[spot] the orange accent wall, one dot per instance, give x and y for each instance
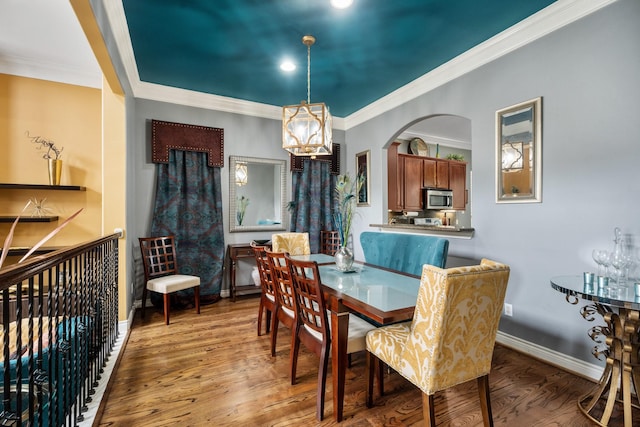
(71, 116)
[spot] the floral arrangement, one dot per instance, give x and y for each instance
(243, 202)
(53, 152)
(346, 198)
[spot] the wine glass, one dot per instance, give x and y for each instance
(619, 261)
(601, 257)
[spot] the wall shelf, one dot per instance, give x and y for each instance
(7, 186)
(6, 218)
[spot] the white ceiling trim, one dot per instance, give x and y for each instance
(555, 16)
(432, 139)
(50, 71)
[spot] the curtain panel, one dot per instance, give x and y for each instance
(188, 204)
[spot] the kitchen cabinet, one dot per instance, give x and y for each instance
(407, 174)
(413, 175)
(395, 179)
(457, 183)
(436, 173)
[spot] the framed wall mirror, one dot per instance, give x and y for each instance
(362, 168)
(257, 190)
(519, 153)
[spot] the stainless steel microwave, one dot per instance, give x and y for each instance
(437, 198)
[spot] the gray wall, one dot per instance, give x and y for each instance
(587, 74)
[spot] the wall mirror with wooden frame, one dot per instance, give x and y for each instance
(257, 192)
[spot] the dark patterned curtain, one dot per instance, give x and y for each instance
(313, 195)
(189, 205)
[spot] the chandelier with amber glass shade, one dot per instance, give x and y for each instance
(306, 127)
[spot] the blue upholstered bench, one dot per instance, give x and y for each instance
(404, 252)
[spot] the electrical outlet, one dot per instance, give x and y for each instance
(508, 310)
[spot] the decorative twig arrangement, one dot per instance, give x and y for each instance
(53, 152)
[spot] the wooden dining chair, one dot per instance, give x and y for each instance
(329, 242)
(451, 337)
(292, 243)
(161, 272)
(285, 309)
(312, 327)
(268, 297)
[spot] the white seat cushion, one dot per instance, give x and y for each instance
(358, 329)
(173, 283)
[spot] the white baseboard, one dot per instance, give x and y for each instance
(92, 407)
(571, 364)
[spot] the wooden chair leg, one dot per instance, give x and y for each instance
(322, 382)
(428, 410)
(167, 304)
(196, 294)
(274, 332)
(293, 355)
(144, 299)
(371, 362)
(485, 400)
(381, 365)
(260, 311)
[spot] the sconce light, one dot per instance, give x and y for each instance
(242, 176)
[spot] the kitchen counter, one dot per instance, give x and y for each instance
(434, 230)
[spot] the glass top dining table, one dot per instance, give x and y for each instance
(383, 295)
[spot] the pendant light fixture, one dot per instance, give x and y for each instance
(306, 128)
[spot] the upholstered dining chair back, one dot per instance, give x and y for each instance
(160, 262)
(268, 297)
(312, 326)
(285, 310)
(452, 335)
(292, 243)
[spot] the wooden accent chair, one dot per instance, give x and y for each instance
(312, 325)
(285, 309)
(293, 243)
(329, 242)
(161, 272)
(451, 337)
(268, 297)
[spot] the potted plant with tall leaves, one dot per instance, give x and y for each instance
(346, 191)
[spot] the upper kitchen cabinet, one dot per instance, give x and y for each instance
(408, 174)
(413, 182)
(436, 173)
(395, 177)
(457, 183)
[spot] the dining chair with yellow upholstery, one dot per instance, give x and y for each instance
(293, 243)
(329, 242)
(268, 298)
(285, 309)
(313, 327)
(451, 337)
(161, 275)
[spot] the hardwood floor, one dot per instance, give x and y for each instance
(213, 370)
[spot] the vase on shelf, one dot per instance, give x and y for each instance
(55, 171)
(344, 258)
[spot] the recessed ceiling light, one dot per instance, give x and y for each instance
(287, 66)
(341, 4)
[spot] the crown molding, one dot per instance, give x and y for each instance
(551, 18)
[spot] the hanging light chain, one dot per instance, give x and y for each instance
(308, 73)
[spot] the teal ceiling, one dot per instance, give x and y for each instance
(233, 48)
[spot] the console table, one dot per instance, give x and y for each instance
(618, 341)
(236, 251)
